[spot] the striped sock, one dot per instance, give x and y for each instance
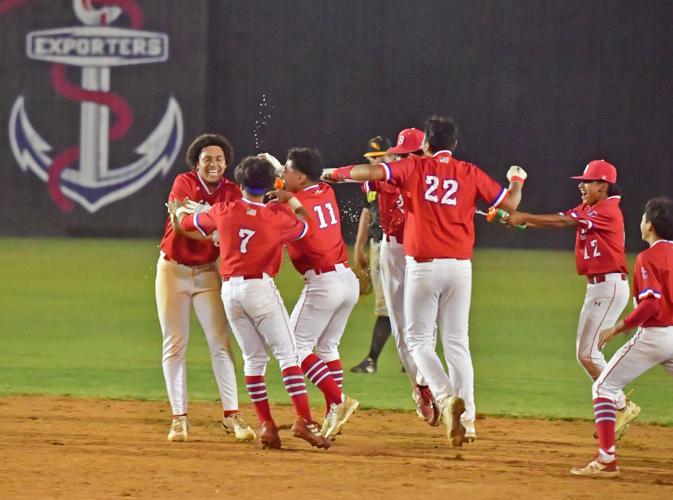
(605, 413)
(337, 371)
(258, 396)
(319, 375)
(295, 386)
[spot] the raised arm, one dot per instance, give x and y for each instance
(357, 173)
(539, 221)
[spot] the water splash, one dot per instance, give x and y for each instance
(262, 122)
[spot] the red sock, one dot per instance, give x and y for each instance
(605, 413)
(337, 371)
(229, 413)
(257, 391)
(293, 378)
(318, 373)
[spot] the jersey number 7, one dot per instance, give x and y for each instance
(245, 234)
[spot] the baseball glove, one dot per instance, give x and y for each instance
(365, 279)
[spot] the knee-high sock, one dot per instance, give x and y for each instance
(319, 374)
(605, 413)
(258, 396)
(293, 378)
(380, 335)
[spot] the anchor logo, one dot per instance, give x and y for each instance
(96, 47)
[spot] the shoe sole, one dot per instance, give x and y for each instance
(177, 439)
(625, 427)
(603, 474)
(332, 435)
(456, 432)
(470, 439)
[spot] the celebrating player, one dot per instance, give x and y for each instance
(653, 342)
(187, 276)
(440, 195)
(251, 236)
(369, 231)
(331, 290)
(600, 256)
(391, 213)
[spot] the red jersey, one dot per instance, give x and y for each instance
(251, 235)
(183, 249)
(440, 196)
(653, 280)
(600, 240)
(391, 208)
(325, 246)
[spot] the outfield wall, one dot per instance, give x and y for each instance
(547, 85)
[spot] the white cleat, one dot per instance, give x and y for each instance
(596, 468)
(625, 417)
(470, 431)
(338, 416)
(452, 408)
(236, 425)
(179, 429)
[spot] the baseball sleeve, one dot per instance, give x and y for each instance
(205, 223)
(290, 228)
(397, 172)
(180, 189)
(646, 291)
(488, 189)
(579, 215)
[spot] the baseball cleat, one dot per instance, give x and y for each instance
(338, 416)
(452, 408)
(235, 425)
(368, 365)
(179, 429)
(268, 436)
(596, 468)
(309, 432)
(625, 417)
(426, 407)
(470, 431)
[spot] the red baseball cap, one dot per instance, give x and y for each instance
(598, 170)
(408, 141)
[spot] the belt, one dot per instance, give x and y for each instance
(257, 276)
(421, 261)
(327, 269)
(600, 278)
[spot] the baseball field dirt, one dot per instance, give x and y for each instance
(55, 447)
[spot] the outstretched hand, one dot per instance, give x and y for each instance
(513, 219)
(606, 335)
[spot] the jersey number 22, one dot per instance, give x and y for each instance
(449, 185)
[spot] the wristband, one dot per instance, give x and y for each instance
(294, 203)
(342, 173)
(516, 178)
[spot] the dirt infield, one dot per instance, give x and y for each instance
(84, 448)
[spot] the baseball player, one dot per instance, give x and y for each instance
(331, 290)
(251, 236)
(369, 230)
(440, 194)
(653, 342)
(600, 256)
(187, 277)
(391, 210)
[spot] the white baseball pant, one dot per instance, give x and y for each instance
(648, 347)
(393, 267)
(603, 304)
(178, 288)
(258, 319)
(439, 292)
(320, 315)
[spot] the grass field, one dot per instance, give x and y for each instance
(78, 318)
